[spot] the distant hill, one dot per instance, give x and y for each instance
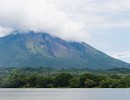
(43, 50)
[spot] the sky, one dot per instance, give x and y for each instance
(104, 24)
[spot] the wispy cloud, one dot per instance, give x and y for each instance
(5, 31)
(125, 55)
(97, 13)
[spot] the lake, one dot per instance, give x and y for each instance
(64, 94)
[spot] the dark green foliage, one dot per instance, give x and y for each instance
(45, 82)
(120, 70)
(115, 76)
(51, 78)
(75, 82)
(32, 80)
(62, 80)
(108, 84)
(14, 80)
(89, 83)
(88, 80)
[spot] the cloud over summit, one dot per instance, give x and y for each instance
(38, 16)
(68, 19)
(97, 22)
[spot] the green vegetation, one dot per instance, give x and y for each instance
(43, 50)
(64, 78)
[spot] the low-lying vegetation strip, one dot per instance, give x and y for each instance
(64, 78)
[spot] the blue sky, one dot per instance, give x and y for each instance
(115, 42)
(104, 24)
(107, 23)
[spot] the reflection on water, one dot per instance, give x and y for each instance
(64, 94)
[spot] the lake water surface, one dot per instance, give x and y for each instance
(64, 94)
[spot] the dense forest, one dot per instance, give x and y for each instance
(64, 78)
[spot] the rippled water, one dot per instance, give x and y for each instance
(64, 94)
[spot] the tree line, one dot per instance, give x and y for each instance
(30, 78)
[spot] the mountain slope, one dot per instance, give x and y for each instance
(43, 50)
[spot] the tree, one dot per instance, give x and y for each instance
(45, 82)
(89, 83)
(85, 77)
(115, 76)
(75, 82)
(15, 80)
(62, 80)
(32, 80)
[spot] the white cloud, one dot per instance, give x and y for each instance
(68, 19)
(124, 55)
(5, 31)
(97, 13)
(39, 16)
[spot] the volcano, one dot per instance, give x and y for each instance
(43, 50)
